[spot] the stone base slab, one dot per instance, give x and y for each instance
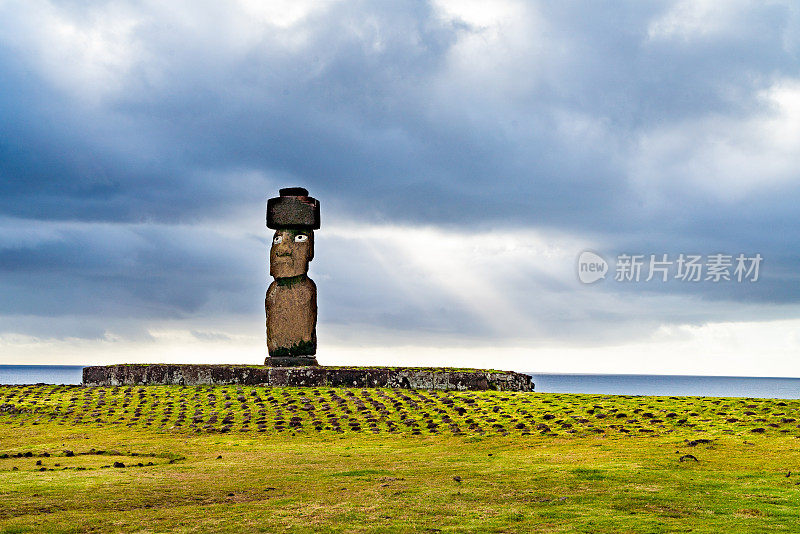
(316, 376)
(290, 361)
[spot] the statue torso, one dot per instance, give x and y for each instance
(291, 317)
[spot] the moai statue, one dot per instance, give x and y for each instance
(291, 301)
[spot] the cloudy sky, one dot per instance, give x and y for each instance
(464, 154)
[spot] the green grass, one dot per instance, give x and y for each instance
(240, 458)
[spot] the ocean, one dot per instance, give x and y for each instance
(669, 385)
(674, 385)
(47, 374)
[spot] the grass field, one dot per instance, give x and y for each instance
(292, 459)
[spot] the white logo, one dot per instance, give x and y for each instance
(591, 267)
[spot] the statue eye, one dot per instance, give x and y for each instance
(299, 238)
(277, 239)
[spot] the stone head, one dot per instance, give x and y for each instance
(291, 251)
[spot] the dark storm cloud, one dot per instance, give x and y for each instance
(112, 271)
(564, 117)
(362, 112)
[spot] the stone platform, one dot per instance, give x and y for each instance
(317, 376)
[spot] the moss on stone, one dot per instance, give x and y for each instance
(302, 348)
(289, 281)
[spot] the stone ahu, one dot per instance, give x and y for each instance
(291, 309)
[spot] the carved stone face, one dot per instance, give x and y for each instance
(290, 253)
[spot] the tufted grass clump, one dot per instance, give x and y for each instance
(344, 411)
